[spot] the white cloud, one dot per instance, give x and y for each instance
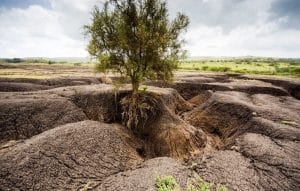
(240, 28)
(38, 31)
(258, 40)
(218, 28)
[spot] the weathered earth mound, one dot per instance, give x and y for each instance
(26, 114)
(70, 157)
(143, 178)
(99, 102)
(240, 131)
(292, 86)
(167, 134)
(21, 87)
(172, 137)
(24, 84)
(260, 134)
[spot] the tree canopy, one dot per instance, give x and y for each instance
(136, 38)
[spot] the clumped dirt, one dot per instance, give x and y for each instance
(66, 134)
(25, 84)
(131, 180)
(23, 115)
(69, 157)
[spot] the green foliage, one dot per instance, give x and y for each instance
(198, 184)
(219, 69)
(166, 183)
(12, 60)
(77, 64)
(222, 188)
(269, 66)
(136, 39)
(204, 68)
(50, 62)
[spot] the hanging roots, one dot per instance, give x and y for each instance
(140, 110)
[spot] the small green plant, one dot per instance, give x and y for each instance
(222, 188)
(50, 62)
(166, 183)
(77, 64)
(204, 68)
(143, 89)
(198, 184)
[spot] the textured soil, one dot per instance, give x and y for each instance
(66, 134)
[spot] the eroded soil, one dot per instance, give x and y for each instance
(66, 134)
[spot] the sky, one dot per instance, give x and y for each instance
(54, 28)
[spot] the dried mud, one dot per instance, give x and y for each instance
(237, 130)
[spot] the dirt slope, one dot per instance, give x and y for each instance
(260, 135)
(240, 131)
(24, 84)
(143, 178)
(23, 115)
(68, 157)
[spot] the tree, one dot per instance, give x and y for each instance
(136, 39)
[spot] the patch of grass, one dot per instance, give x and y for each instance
(77, 64)
(166, 183)
(44, 70)
(219, 69)
(262, 66)
(222, 188)
(198, 184)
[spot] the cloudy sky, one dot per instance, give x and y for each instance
(53, 28)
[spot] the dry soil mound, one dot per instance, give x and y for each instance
(143, 178)
(99, 102)
(263, 133)
(167, 134)
(26, 114)
(229, 114)
(26, 84)
(255, 123)
(21, 87)
(70, 157)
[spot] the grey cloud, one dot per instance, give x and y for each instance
(227, 14)
(218, 27)
(289, 9)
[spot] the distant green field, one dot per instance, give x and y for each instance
(262, 66)
(284, 67)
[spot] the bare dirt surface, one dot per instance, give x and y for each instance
(68, 157)
(66, 134)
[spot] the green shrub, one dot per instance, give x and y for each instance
(282, 69)
(222, 188)
(219, 69)
(204, 68)
(77, 64)
(50, 62)
(166, 183)
(198, 184)
(294, 63)
(295, 70)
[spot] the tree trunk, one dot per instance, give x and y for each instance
(135, 86)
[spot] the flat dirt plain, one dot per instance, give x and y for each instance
(62, 131)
